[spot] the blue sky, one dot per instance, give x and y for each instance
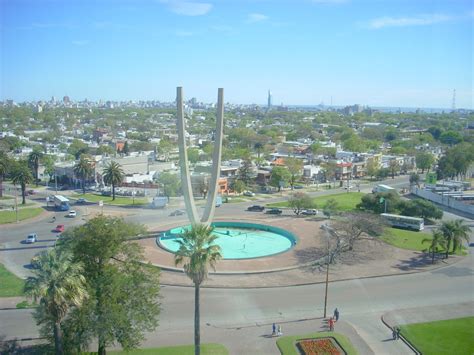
(401, 53)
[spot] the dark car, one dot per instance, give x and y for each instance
(177, 213)
(274, 211)
(256, 208)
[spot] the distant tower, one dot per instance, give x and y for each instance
(269, 101)
(454, 100)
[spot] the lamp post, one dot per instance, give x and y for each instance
(327, 273)
(16, 203)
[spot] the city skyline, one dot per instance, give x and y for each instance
(392, 54)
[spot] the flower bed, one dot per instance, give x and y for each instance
(323, 346)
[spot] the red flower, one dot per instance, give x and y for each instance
(323, 346)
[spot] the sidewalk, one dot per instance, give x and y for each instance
(10, 302)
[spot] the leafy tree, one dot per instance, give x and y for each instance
(245, 172)
(5, 166)
(382, 173)
(415, 179)
(372, 168)
(48, 162)
(171, 183)
(450, 137)
(330, 207)
(193, 155)
(279, 176)
(436, 241)
(295, 167)
(126, 148)
(376, 202)
(123, 291)
(113, 175)
(420, 208)
(77, 148)
(394, 167)
(84, 169)
(435, 132)
(33, 160)
(424, 161)
(197, 252)
(21, 175)
(258, 148)
(239, 186)
(58, 285)
(330, 171)
(300, 201)
(105, 150)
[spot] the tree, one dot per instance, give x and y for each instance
(414, 179)
(113, 175)
(193, 155)
(394, 167)
(197, 252)
(21, 175)
(48, 162)
(258, 148)
(437, 240)
(77, 148)
(126, 148)
(279, 177)
(420, 208)
(58, 285)
(123, 291)
(295, 167)
(299, 201)
(376, 202)
(424, 161)
(83, 169)
(461, 232)
(356, 225)
(171, 183)
(450, 137)
(330, 171)
(33, 161)
(448, 229)
(330, 207)
(239, 186)
(245, 172)
(371, 168)
(5, 166)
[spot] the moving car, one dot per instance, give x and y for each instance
(81, 200)
(274, 211)
(309, 212)
(249, 193)
(256, 208)
(31, 238)
(72, 214)
(177, 213)
(59, 228)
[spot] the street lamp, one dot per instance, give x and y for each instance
(16, 203)
(327, 271)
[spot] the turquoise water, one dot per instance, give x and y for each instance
(240, 243)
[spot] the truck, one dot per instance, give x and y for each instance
(159, 202)
(218, 200)
(383, 188)
(61, 203)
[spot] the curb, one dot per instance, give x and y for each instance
(407, 343)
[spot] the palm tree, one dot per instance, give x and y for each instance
(33, 160)
(196, 252)
(113, 175)
(448, 229)
(5, 165)
(258, 147)
(58, 285)
(461, 232)
(21, 175)
(436, 241)
(83, 169)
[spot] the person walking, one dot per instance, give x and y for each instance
(331, 324)
(336, 314)
(279, 331)
(274, 329)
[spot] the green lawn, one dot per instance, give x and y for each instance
(287, 344)
(346, 201)
(6, 198)
(119, 200)
(23, 213)
(10, 285)
(454, 336)
(206, 349)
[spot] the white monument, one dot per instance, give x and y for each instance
(184, 165)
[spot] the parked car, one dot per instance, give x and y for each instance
(72, 214)
(256, 208)
(274, 211)
(249, 193)
(81, 201)
(31, 238)
(309, 212)
(59, 228)
(298, 187)
(30, 192)
(177, 213)
(348, 187)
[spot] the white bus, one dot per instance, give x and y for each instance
(405, 222)
(383, 188)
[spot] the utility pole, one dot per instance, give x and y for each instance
(16, 203)
(56, 182)
(327, 276)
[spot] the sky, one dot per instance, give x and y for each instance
(398, 53)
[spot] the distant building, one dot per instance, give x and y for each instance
(66, 100)
(269, 100)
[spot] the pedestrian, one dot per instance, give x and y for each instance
(336, 314)
(394, 333)
(279, 330)
(398, 332)
(331, 324)
(273, 329)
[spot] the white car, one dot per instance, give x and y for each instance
(249, 193)
(31, 238)
(72, 214)
(309, 212)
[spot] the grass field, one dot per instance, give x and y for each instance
(454, 336)
(346, 201)
(206, 349)
(287, 344)
(10, 285)
(23, 213)
(119, 200)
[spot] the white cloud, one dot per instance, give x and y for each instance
(421, 20)
(254, 17)
(81, 42)
(188, 8)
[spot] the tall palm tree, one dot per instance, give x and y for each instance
(84, 170)
(448, 229)
(33, 160)
(58, 285)
(5, 165)
(197, 252)
(461, 232)
(436, 241)
(21, 175)
(113, 175)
